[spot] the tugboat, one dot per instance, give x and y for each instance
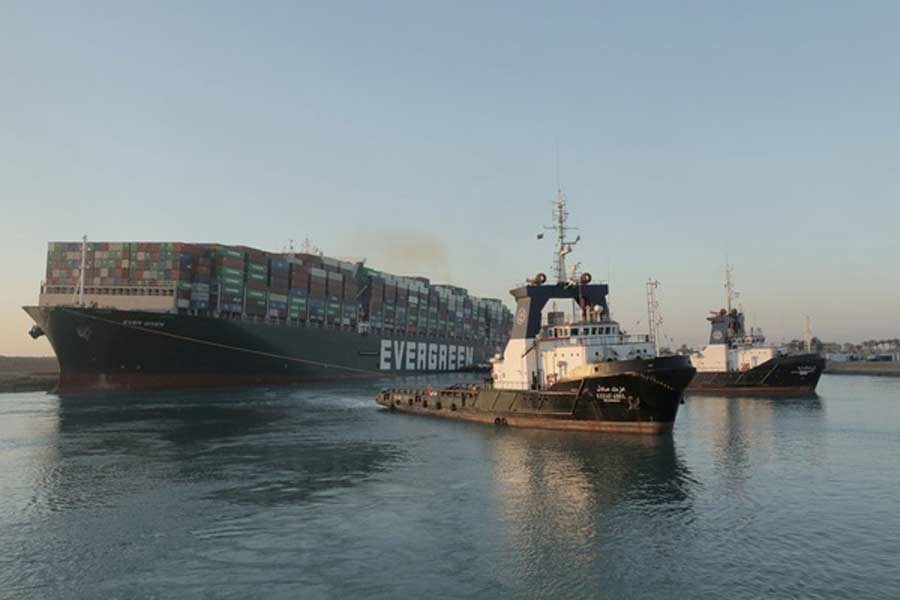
(738, 361)
(580, 373)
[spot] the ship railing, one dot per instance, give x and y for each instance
(142, 289)
(633, 339)
(514, 384)
(464, 392)
(609, 340)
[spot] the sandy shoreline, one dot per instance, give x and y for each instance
(28, 373)
(27, 382)
(859, 367)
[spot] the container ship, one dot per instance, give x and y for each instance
(738, 361)
(155, 315)
(581, 373)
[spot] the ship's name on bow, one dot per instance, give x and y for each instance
(804, 370)
(615, 393)
(144, 323)
(406, 355)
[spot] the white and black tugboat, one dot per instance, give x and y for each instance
(740, 361)
(578, 373)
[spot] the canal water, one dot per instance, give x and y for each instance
(314, 492)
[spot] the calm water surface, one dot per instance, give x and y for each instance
(315, 493)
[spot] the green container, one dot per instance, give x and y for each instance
(256, 294)
(256, 276)
(233, 281)
(230, 272)
(230, 253)
(257, 268)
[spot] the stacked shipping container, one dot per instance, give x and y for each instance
(228, 279)
(236, 280)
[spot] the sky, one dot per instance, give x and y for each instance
(424, 137)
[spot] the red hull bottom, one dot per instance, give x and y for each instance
(642, 427)
(86, 383)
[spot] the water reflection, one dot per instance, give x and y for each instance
(259, 446)
(563, 490)
(748, 431)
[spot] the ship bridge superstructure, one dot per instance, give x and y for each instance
(732, 346)
(540, 353)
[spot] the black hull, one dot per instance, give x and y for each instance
(794, 374)
(635, 396)
(113, 350)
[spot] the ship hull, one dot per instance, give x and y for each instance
(635, 396)
(794, 374)
(115, 350)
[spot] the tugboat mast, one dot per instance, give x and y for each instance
(653, 318)
(563, 246)
(729, 287)
(807, 335)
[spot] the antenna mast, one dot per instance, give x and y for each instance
(563, 246)
(807, 334)
(81, 270)
(729, 287)
(308, 248)
(654, 319)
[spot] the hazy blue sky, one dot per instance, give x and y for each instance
(421, 136)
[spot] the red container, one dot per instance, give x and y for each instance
(334, 287)
(254, 255)
(227, 261)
